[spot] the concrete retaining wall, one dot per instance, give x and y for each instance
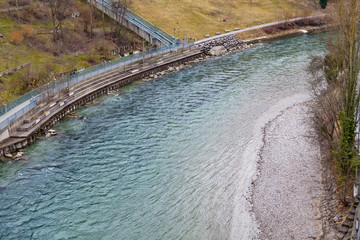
(71, 106)
(17, 115)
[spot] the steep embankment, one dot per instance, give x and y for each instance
(27, 36)
(198, 18)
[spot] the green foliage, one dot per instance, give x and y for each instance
(345, 154)
(323, 3)
(336, 112)
(332, 67)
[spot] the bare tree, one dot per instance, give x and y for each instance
(91, 18)
(103, 17)
(60, 10)
(17, 9)
(338, 96)
(120, 7)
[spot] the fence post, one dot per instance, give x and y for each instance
(5, 108)
(47, 90)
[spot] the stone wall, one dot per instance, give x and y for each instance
(229, 42)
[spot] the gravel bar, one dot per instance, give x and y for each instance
(288, 191)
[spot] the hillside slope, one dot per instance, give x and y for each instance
(201, 17)
(26, 37)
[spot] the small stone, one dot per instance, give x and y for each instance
(8, 155)
(53, 132)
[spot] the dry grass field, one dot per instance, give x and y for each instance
(197, 18)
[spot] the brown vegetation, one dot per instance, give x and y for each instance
(31, 36)
(337, 95)
(16, 37)
(285, 28)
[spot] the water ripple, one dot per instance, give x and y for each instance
(165, 160)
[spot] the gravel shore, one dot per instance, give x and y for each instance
(288, 192)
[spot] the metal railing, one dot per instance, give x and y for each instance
(142, 23)
(53, 87)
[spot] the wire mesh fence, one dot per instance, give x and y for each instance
(43, 92)
(53, 87)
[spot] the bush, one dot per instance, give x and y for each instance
(27, 32)
(306, 12)
(73, 42)
(323, 3)
(103, 47)
(285, 26)
(16, 37)
(270, 30)
(92, 59)
(30, 77)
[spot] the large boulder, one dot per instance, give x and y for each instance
(217, 51)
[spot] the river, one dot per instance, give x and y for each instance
(173, 158)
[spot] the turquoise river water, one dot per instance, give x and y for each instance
(172, 158)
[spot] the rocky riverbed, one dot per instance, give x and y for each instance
(288, 196)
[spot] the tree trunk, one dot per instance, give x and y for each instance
(17, 9)
(53, 19)
(91, 18)
(103, 18)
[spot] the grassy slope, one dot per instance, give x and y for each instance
(13, 55)
(201, 17)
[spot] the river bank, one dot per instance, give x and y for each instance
(166, 159)
(290, 195)
(229, 43)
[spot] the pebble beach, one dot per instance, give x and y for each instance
(288, 191)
